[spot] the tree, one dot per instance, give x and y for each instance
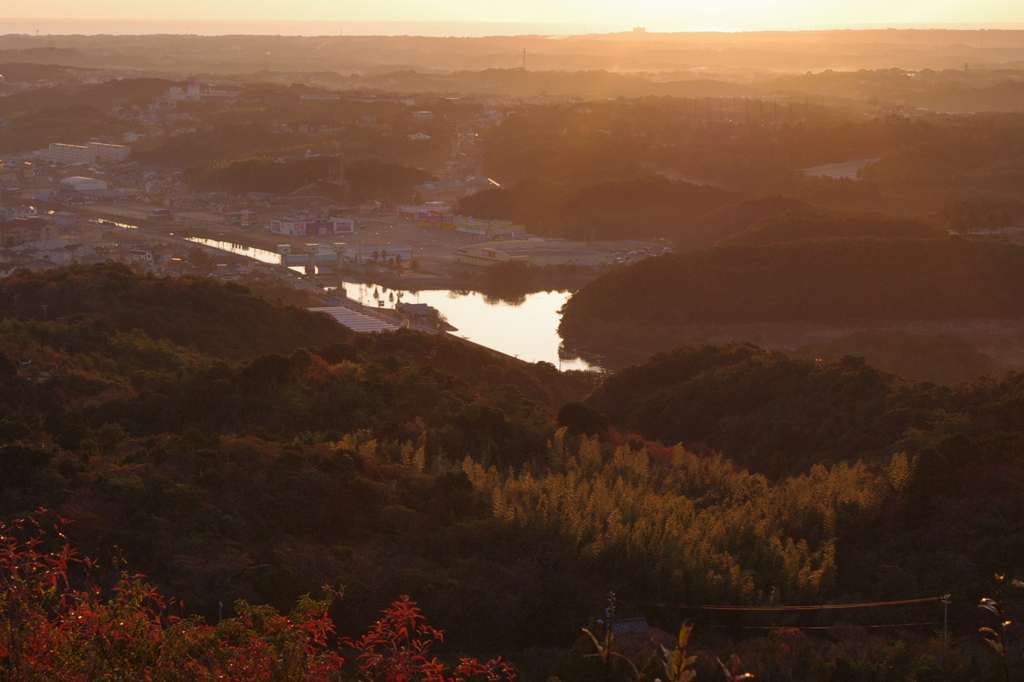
(199, 258)
(51, 629)
(397, 649)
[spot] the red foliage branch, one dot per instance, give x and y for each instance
(397, 646)
(50, 630)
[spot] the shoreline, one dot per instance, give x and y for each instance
(466, 280)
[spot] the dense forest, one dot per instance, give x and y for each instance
(936, 358)
(616, 209)
(892, 162)
(363, 178)
(780, 416)
(828, 281)
(258, 452)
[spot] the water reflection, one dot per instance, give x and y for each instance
(527, 330)
(526, 326)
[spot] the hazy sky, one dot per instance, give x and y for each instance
(655, 14)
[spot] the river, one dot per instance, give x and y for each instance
(528, 330)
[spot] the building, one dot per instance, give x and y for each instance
(377, 252)
(79, 183)
(488, 228)
(94, 152)
(17, 172)
(307, 228)
(423, 115)
(65, 219)
(536, 253)
(320, 97)
(71, 153)
(435, 218)
(292, 227)
(482, 226)
(22, 230)
(17, 211)
(491, 228)
(141, 256)
(110, 153)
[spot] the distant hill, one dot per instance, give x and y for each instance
(939, 358)
(821, 281)
(620, 209)
(795, 225)
(365, 178)
(778, 416)
(222, 320)
(734, 219)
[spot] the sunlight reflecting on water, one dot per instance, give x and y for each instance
(527, 330)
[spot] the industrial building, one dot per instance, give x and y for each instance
(78, 183)
(488, 228)
(377, 252)
(536, 253)
(300, 227)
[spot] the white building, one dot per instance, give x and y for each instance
(82, 184)
(192, 90)
(89, 153)
(141, 256)
(320, 97)
(110, 153)
(71, 153)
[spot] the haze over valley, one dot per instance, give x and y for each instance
(613, 353)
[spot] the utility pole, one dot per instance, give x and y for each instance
(609, 615)
(524, 59)
(946, 599)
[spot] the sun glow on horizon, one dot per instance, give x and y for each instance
(656, 15)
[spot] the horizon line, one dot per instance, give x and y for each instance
(53, 27)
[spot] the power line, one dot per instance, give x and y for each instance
(811, 627)
(820, 607)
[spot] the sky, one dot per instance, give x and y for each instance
(602, 14)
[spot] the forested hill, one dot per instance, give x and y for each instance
(405, 463)
(805, 281)
(780, 416)
(222, 320)
(232, 448)
(91, 311)
(795, 225)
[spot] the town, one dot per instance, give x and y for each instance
(107, 200)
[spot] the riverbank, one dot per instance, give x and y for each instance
(454, 276)
(520, 324)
